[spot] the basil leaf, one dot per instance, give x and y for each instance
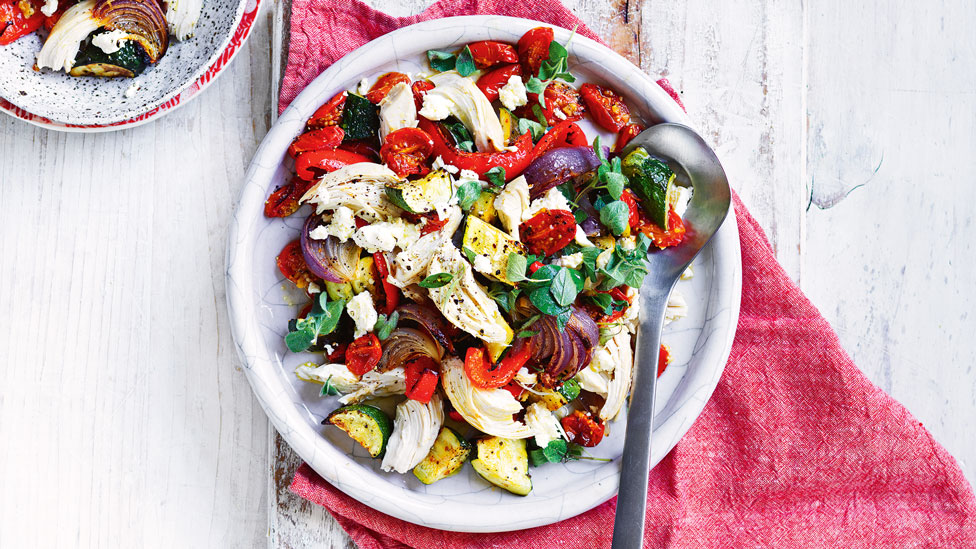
(589, 261)
(614, 216)
(329, 318)
(537, 129)
(299, 341)
(328, 389)
(526, 333)
(515, 270)
(555, 451)
(543, 300)
(564, 288)
(384, 326)
(469, 253)
(603, 301)
(539, 115)
(536, 86)
(436, 280)
(496, 176)
(570, 389)
(563, 318)
(538, 457)
(557, 51)
(468, 193)
(462, 137)
(441, 61)
(599, 150)
(615, 183)
(465, 62)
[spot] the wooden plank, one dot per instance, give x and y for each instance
(890, 236)
(124, 417)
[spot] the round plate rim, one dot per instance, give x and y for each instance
(340, 469)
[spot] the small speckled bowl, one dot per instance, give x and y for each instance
(260, 309)
(56, 100)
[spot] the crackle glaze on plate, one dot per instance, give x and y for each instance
(58, 101)
(260, 307)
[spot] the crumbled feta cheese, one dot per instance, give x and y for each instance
(314, 288)
(363, 87)
(627, 242)
(436, 107)
(397, 110)
(362, 312)
(482, 264)
(49, 7)
(559, 114)
(386, 235)
(592, 380)
(111, 41)
(544, 425)
(552, 200)
(572, 261)
(469, 175)
(439, 164)
(681, 202)
(602, 359)
(677, 308)
(343, 226)
(512, 94)
(631, 315)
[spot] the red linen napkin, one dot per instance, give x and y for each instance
(795, 448)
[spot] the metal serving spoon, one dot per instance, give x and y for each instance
(693, 161)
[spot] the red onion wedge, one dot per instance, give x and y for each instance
(408, 344)
(330, 259)
(558, 166)
(564, 354)
(429, 319)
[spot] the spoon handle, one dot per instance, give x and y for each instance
(628, 524)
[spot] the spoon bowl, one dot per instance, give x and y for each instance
(695, 164)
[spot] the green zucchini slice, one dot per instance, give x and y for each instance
(129, 61)
(360, 118)
(653, 181)
(421, 195)
(367, 425)
(445, 458)
(504, 463)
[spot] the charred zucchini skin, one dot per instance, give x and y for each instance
(129, 61)
(367, 425)
(504, 463)
(360, 118)
(445, 458)
(653, 181)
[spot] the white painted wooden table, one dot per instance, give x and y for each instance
(125, 420)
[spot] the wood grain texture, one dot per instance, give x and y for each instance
(124, 418)
(847, 130)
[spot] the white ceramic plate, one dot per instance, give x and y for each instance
(58, 101)
(259, 310)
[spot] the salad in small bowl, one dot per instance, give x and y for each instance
(471, 258)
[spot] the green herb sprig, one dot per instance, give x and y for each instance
(320, 321)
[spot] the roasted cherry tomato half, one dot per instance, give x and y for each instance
(291, 263)
(329, 114)
(661, 238)
(421, 379)
(548, 231)
(533, 49)
(583, 429)
(14, 24)
(562, 103)
(485, 375)
(626, 133)
(420, 89)
(384, 84)
(284, 200)
(363, 354)
(618, 294)
(405, 151)
(563, 134)
(391, 294)
(329, 137)
(663, 360)
(605, 106)
(630, 199)
(493, 80)
(338, 354)
(489, 53)
(313, 164)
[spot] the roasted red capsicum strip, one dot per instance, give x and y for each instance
(421, 379)
(485, 375)
(493, 81)
(514, 162)
(312, 164)
(329, 137)
(391, 294)
(489, 53)
(563, 134)
(14, 25)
